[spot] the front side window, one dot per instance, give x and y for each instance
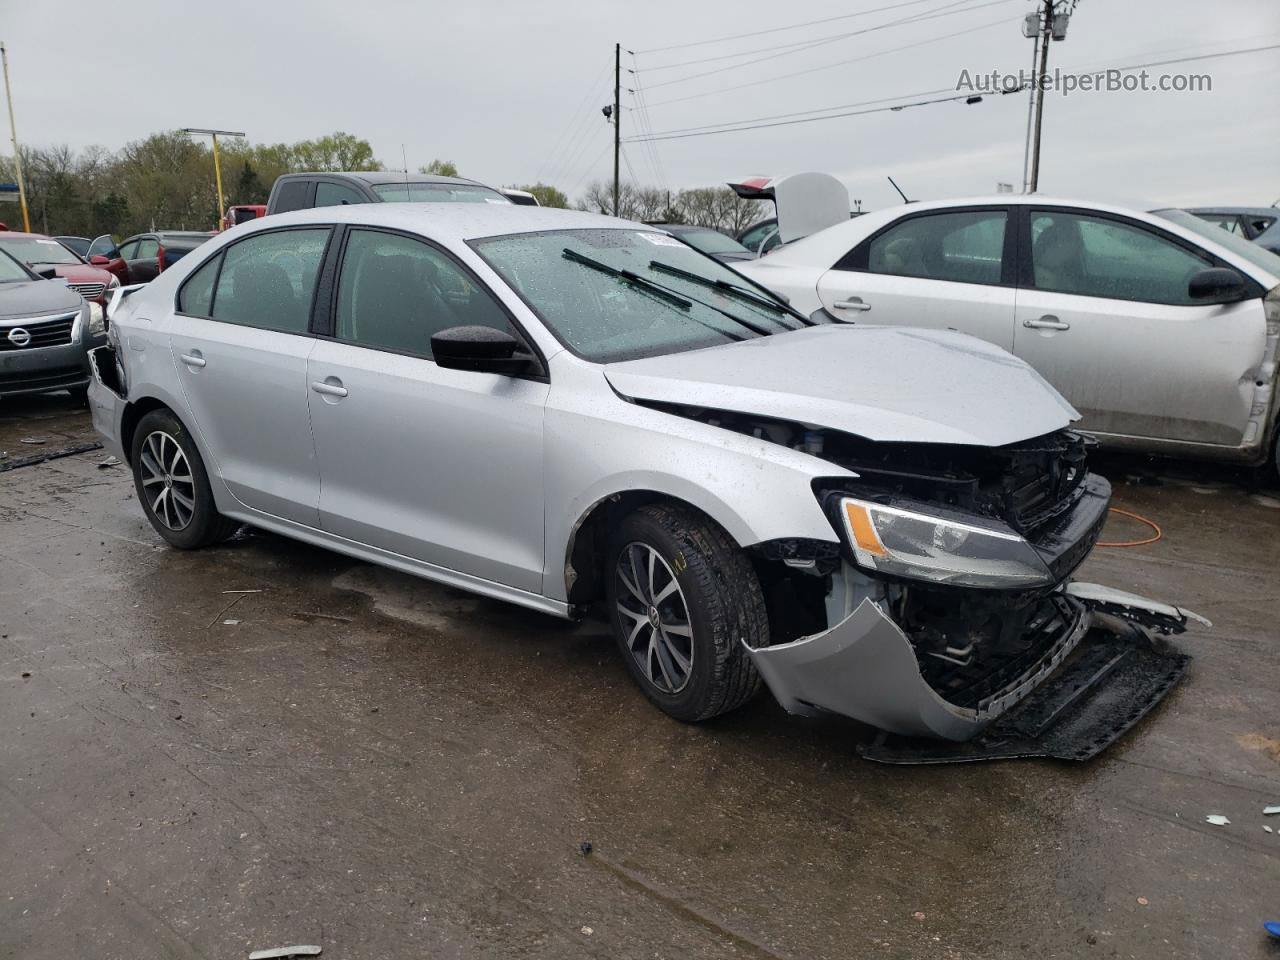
(437, 193)
(38, 250)
(103, 246)
(965, 247)
(267, 280)
(196, 296)
(670, 298)
(396, 292)
(1097, 257)
(335, 194)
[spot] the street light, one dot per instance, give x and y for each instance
(217, 165)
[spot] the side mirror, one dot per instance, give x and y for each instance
(1216, 285)
(479, 349)
(98, 260)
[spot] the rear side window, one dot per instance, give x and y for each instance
(1097, 257)
(964, 247)
(292, 196)
(395, 292)
(268, 280)
(335, 194)
(147, 250)
(196, 296)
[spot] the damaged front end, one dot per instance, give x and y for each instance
(949, 614)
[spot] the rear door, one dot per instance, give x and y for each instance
(950, 269)
(240, 343)
(444, 466)
(1104, 315)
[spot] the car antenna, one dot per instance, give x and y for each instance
(899, 189)
(405, 160)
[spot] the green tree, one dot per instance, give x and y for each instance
(337, 151)
(547, 195)
(440, 168)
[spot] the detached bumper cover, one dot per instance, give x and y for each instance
(866, 668)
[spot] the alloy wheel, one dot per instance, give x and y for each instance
(167, 483)
(655, 617)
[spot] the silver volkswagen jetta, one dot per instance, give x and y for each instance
(558, 409)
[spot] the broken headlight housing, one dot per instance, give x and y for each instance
(922, 542)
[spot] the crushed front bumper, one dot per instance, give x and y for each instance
(1099, 642)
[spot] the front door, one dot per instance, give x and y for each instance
(240, 343)
(1104, 315)
(443, 466)
(945, 270)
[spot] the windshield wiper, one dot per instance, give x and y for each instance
(729, 289)
(656, 290)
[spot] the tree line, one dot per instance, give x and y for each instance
(166, 182)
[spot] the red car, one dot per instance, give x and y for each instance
(48, 257)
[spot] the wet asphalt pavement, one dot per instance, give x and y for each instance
(387, 768)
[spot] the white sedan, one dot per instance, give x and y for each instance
(1160, 328)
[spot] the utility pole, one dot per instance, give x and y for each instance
(217, 164)
(617, 119)
(1053, 26)
(13, 135)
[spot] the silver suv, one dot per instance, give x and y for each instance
(559, 409)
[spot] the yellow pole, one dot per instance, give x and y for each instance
(13, 135)
(217, 175)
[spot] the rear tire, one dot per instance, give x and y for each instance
(173, 486)
(685, 649)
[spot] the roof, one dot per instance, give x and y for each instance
(10, 234)
(450, 221)
(384, 176)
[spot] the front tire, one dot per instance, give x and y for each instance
(173, 486)
(682, 598)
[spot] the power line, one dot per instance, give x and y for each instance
(834, 116)
(944, 11)
(793, 26)
(1167, 63)
(839, 63)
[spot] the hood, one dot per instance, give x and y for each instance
(881, 383)
(36, 298)
(81, 273)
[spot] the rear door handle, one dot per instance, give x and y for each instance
(330, 388)
(1047, 322)
(853, 303)
(193, 359)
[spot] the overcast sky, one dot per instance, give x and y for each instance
(511, 91)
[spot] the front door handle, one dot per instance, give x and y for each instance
(330, 388)
(193, 359)
(1047, 322)
(853, 303)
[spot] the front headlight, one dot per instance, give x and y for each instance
(97, 325)
(924, 546)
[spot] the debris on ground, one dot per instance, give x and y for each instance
(109, 462)
(1266, 828)
(1217, 819)
(918, 915)
(587, 931)
(17, 462)
(230, 623)
(299, 951)
(1272, 928)
(1271, 810)
(585, 847)
(242, 591)
(1143, 901)
(33, 440)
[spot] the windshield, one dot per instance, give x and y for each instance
(437, 193)
(38, 250)
(10, 269)
(711, 241)
(621, 294)
(1258, 256)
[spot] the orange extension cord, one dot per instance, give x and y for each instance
(1133, 543)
